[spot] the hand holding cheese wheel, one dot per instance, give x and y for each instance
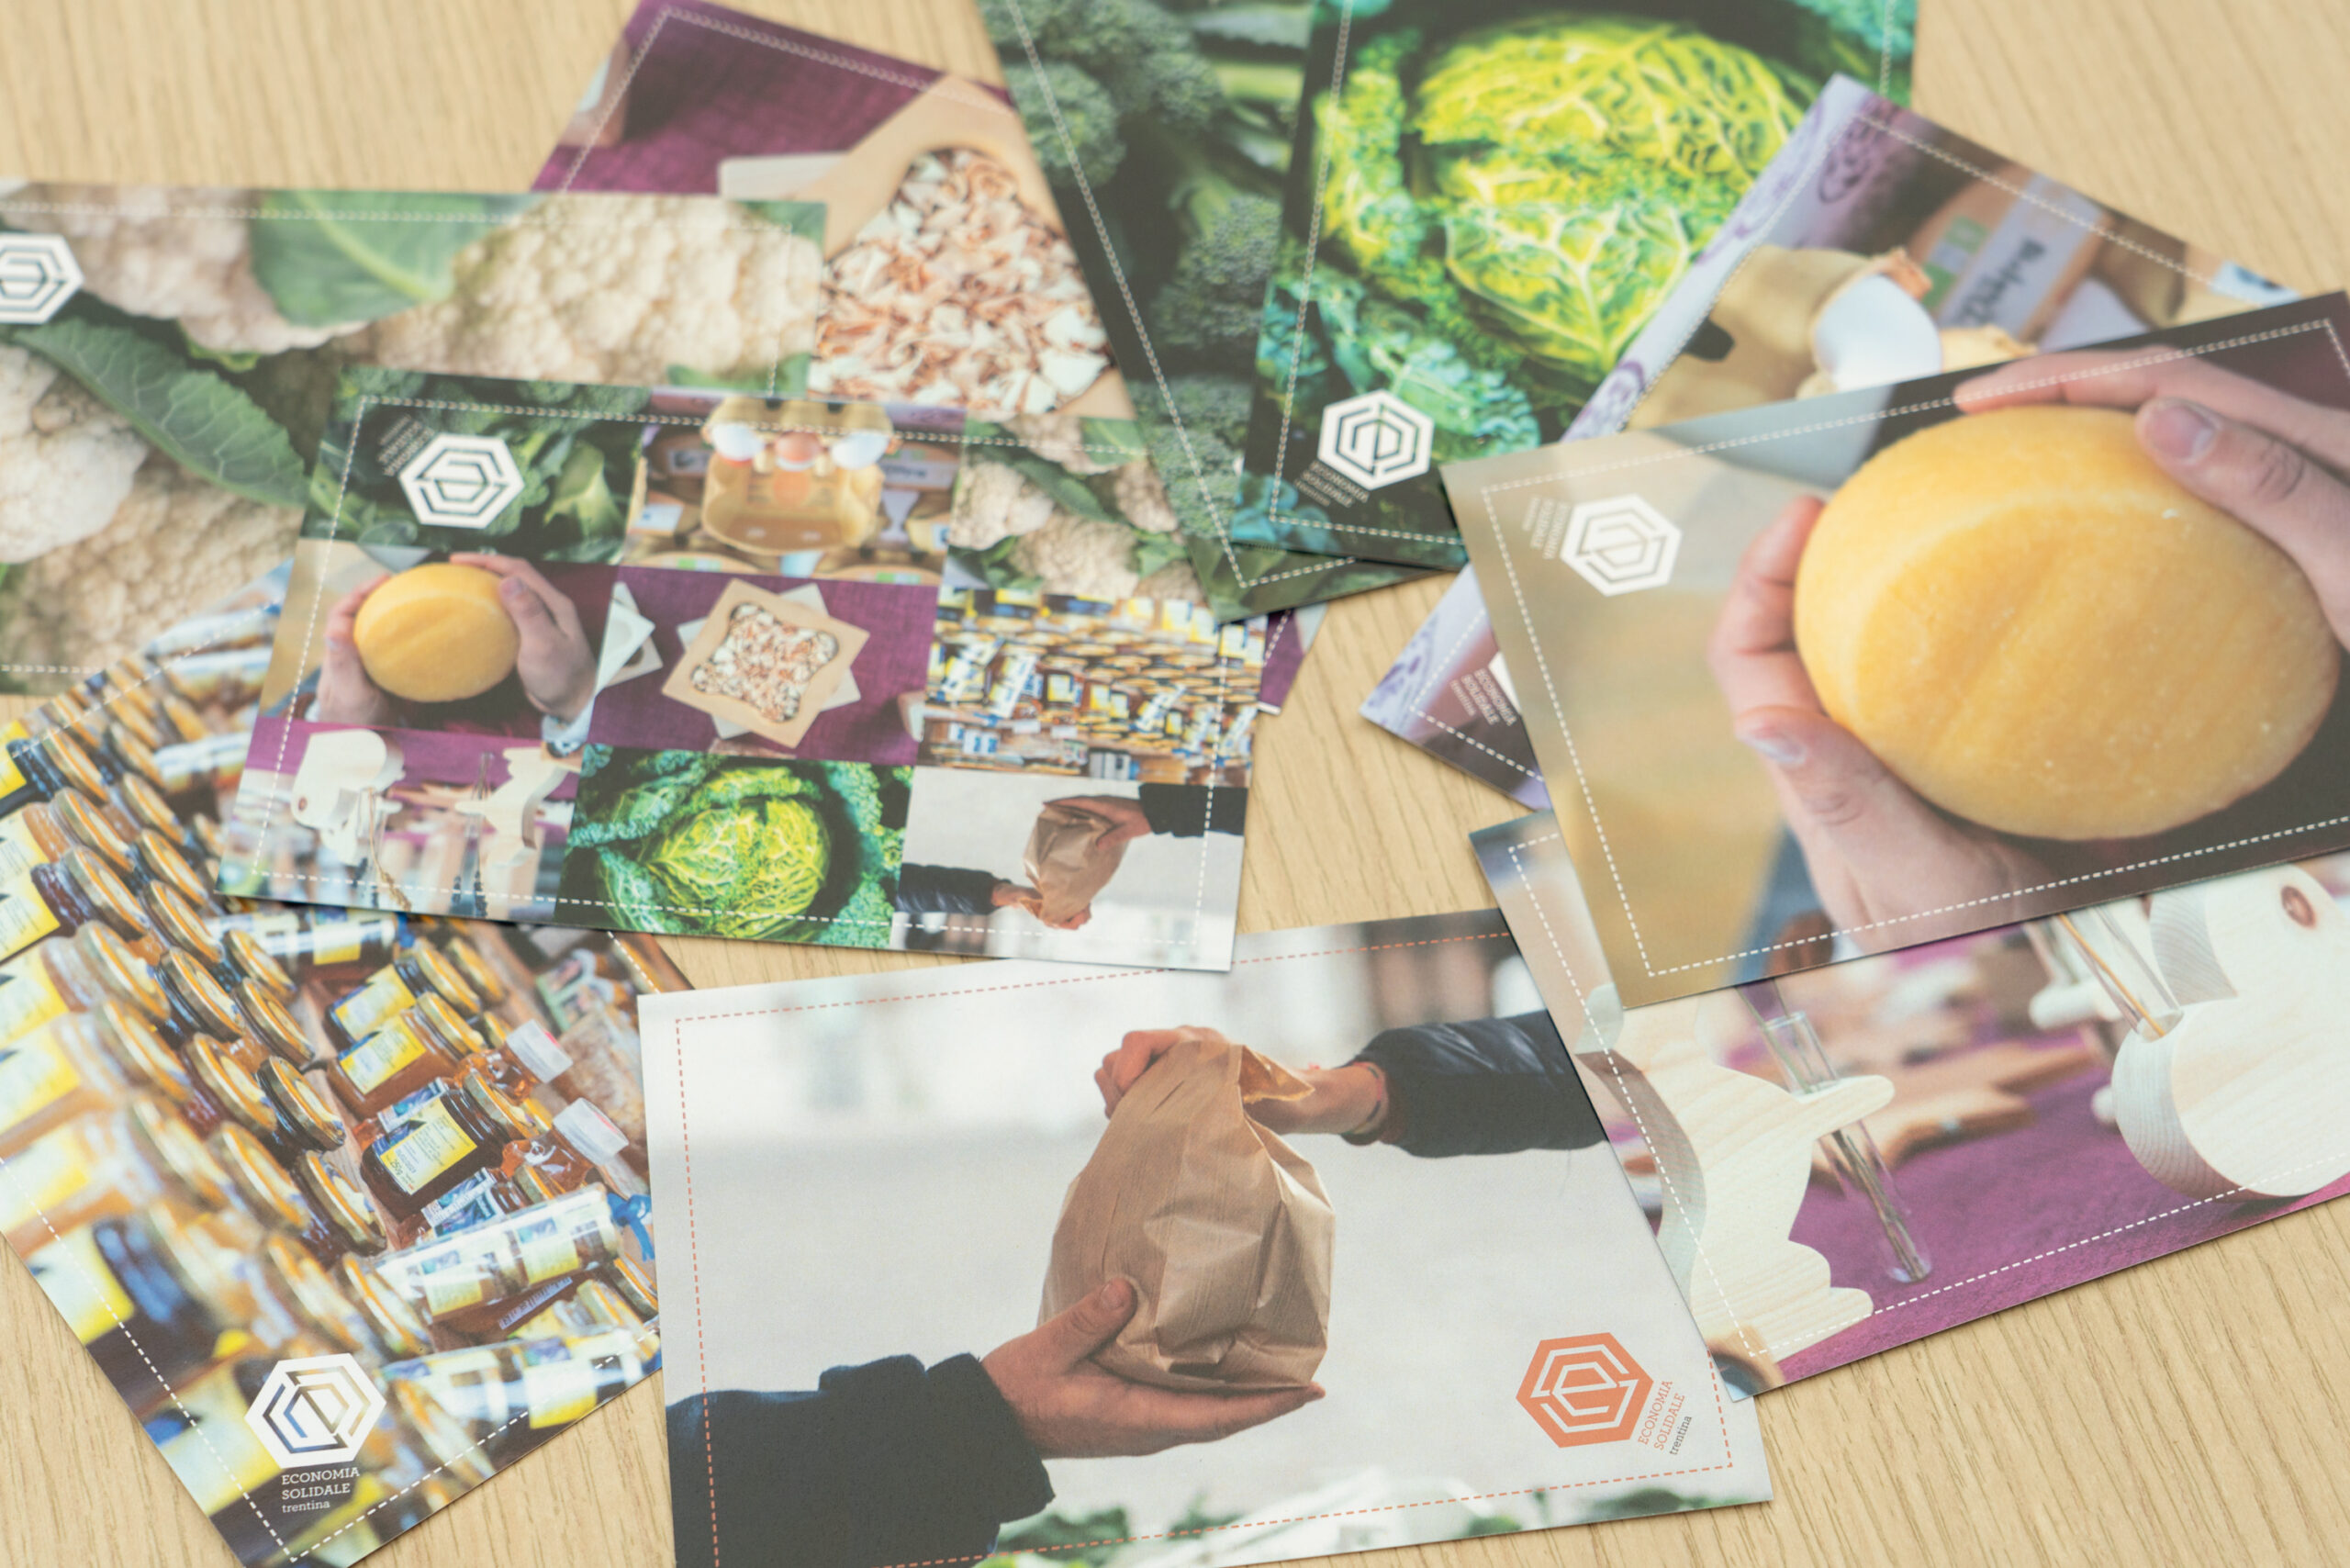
(436, 633)
(2039, 630)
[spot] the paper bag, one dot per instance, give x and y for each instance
(1067, 862)
(1223, 1228)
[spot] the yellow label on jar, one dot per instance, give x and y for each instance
(432, 1144)
(25, 917)
(350, 938)
(20, 849)
(372, 1062)
(12, 778)
(33, 1077)
(545, 1256)
(557, 1391)
(39, 1182)
(80, 1285)
(28, 997)
(450, 1292)
(367, 1009)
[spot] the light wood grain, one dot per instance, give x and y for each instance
(2188, 1409)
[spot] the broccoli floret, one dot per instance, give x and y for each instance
(1077, 122)
(1145, 56)
(1218, 404)
(1199, 466)
(1207, 314)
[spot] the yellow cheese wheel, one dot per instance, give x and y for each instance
(2040, 631)
(436, 633)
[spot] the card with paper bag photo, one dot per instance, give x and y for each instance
(1135, 1267)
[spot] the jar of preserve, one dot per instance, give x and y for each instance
(210, 839)
(305, 1120)
(303, 940)
(226, 1093)
(196, 1006)
(142, 1292)
(501, 1401)
(72, 974)
(255, 967)
(142, 806)
(270, 1025)
(266, 1189)
(212, 765)
(140, 1055)
(300, 1278)
(399, 1059)
(84, 822)
(160, 860)
(181, 720)
(45, 768)
(476, 1199)
(581, 1146)
(475, 967)
(525, 1059)
(348, 1224)
(34, 836)
(51, 1076)
(178, 922)
(398, 1332)
(420, 972)
(493, 1275)
(456, 1135)
(608, 1070)
(65, 896)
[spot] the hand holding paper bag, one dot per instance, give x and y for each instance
(1072, 853)
(1223, 1228)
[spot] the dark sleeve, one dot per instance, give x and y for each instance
(945, 889)
(883, 1465)
(1187, 811)
(1488, 1086)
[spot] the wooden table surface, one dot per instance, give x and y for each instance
(2179, 1412)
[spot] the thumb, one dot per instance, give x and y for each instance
(1076, 1332)
(527, 609)
(1838, 791)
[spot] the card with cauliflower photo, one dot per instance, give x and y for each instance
(1487, 202)
(168, 358)
(1889, 666)
(702, 661)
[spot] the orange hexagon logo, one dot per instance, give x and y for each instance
(1585, 1390)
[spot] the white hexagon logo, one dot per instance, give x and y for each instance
(1377, 439)
(315, 1410)
(38, 275)
(461, 481)
(1620, 545)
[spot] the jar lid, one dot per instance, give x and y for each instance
(173, 1147)
(269, 1021)
(395, 1324)
(73, 762)
(125, 681)
(133, 724)
(108, 899)
(181, 715)
(176, 919)
(315, 1292)
(539, 1051)
(488, 1098)
(442, 1020)
(343, 1203)
(634, 1280)
(299, 1104)
(146, 805)
(475, 968)
(208, 834)
(141, 1052)
(260, 1181)
(444, 976)
(138, 757)
(122, 973)
(162, 860)
(585, 1127)
(253, 961)
(229, 1081)
(85, 823)
(188, 983)
(532, 1182)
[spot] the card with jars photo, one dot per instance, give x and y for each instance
(350, 1207)
(710, 663)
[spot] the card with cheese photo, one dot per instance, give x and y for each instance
(1882, 666)
(707, 668)
(1330, 1247)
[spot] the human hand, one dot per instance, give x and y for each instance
(1069, 1407)
(2273, 462)
(1007, 895)
(1350, 1099)
(557, 663)
(1126, 816)
(1877, 853)
(345, 694)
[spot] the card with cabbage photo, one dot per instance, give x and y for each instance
(168, 356)
(1332, 1247)
(704, 663)
(1883, 666)
(1487, 202)
(350, 1209)
(1876, 246)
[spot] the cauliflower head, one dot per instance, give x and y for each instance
(1080, 556)
(1058, 439)
(994, 503)
(1175, 580)
(83, 607)
(66, 459)
(568, 294)
(1142, 499)
(184, 255)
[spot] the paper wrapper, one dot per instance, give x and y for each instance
(1067, 862)
(1223, 1228)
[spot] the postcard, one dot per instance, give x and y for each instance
(169, 356)
(1882, 667)
(350, 1208)
(1934, 253)
(1487, 203)
(694, 662)
(1847, 1158)
(1315, 1257)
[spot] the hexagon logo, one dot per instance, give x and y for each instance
(1585, 1390)
(315, 1410)
(1621, 544)
(1377, 439)
(461, 481)
(38, 275)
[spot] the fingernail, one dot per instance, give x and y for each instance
(1116, 1293)
(1774, 746)
(2178, 430)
